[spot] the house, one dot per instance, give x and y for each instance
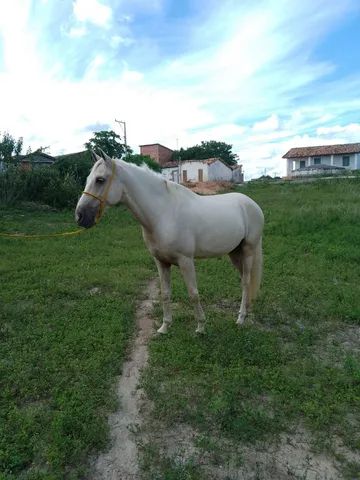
(31, 160)
(210, 169)
(322, 159)
(35, 160)
(171, 171)
(238, 174)
(157, 152)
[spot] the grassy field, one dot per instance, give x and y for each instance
(295, 365)
(67, 316)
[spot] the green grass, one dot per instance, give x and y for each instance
(297, 362)
(66, 318)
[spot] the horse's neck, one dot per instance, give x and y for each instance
(144, 194)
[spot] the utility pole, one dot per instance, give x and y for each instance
(124, 127)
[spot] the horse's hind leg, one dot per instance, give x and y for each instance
(187, 269)
(242, 258)
(164, 270)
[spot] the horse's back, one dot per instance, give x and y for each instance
(235, 204)
(221, 222)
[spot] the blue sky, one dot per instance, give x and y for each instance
(264, 76)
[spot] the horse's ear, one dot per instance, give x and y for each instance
(94, 157)
(105, 156)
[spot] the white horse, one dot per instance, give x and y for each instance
(178, 225)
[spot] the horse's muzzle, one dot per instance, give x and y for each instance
(86, 217)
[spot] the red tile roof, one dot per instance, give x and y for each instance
(323, 150)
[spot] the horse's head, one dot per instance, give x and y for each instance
(102, 188)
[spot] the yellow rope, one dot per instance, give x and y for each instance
(46, 235)
(102, 201)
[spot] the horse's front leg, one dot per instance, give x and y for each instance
(187, 269)
(164, 270)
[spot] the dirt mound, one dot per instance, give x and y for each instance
(209, 188)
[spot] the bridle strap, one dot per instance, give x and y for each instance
(94, 196)
(103, 199)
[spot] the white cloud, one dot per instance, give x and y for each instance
(19, 45)
(271, 123)
(94, 67)
(117, 40)
(347, 130)
(92, 11)
(239, 85)
(77, 32)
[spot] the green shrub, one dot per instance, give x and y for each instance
(141, 159)
(77, 165)
(44, 185)
(11, 185)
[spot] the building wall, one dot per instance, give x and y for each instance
(237, 175)
(338, 161)
(157, 152)
(328, 160)
(171, 173)
(219, 171)
(192, 170)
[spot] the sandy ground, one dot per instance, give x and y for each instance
(209, 188)
(121, 461)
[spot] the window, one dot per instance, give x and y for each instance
(200, 175)
(302, 163)
(346, 161)
(317, 160)
(184, 175)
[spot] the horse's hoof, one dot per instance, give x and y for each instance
(200, 330)
(240, 322)
(162, 329)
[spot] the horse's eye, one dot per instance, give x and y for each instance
(100, 180)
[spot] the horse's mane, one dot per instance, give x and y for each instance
(168, 184)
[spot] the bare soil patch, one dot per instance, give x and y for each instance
(209, 188)
(290, 457)
(121, 461)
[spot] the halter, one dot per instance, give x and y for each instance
(103, 199)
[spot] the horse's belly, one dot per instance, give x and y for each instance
(218, 241)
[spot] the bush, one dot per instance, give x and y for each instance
(59, 185)
(141, 159)
(45, 185)
(76, 164)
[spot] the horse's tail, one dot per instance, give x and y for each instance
(256, 271)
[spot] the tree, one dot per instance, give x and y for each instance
(109, 142)
(75, 164)
(140, 159)
(9, 147)
(41, 150)
(208, 149)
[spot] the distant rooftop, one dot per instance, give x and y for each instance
(153, 145)
(345, 148)
(35, 154)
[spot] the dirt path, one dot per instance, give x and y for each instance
(121, 461)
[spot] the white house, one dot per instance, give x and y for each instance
(209, 170)
(171, 171)
(322, 159)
